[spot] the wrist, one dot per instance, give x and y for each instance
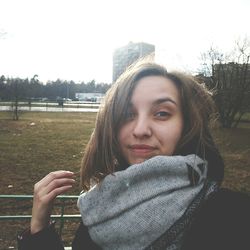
(36, 227)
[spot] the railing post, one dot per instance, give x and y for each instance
(62, 218)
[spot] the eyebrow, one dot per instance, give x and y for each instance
(165, 99)
(158, 102)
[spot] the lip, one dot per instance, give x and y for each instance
(141, 148)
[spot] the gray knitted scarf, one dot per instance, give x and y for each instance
(132, 208)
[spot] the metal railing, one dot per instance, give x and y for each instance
(62, 216)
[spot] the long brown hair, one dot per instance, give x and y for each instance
(102, 154)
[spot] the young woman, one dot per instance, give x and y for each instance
(151, 174)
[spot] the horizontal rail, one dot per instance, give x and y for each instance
(62, 216)
(28, 197)
(26, 217)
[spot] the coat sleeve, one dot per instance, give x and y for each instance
(83, 241)
(47, 239)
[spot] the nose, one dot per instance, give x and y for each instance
(142, 128)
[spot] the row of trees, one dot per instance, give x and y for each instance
(28, 89)
(227, 74)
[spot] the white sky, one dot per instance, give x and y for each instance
(75, 39)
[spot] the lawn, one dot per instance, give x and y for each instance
(41, 142)
(32, 147)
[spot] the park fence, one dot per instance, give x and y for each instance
(61, 216)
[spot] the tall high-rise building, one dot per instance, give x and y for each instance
(125, 56)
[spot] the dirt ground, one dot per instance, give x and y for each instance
(43, 142)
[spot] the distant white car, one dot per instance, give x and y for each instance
(67, 99)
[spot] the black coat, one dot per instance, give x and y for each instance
(222, 223)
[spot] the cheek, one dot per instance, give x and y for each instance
(178, 131)
(177, 134)
(172, 135)
(122, 135)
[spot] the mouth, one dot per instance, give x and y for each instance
(141, 149)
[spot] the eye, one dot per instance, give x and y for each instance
(162, 114)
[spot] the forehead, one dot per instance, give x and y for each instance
(155, 87)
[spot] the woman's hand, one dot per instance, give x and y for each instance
(45, 192)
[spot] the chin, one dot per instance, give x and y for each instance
(138, 161)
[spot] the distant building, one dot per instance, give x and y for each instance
(125, 56)
(227, 74)
(231, 70)
(89, 97)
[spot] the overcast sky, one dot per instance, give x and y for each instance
(75, 39)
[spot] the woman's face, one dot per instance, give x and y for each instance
(154, 121)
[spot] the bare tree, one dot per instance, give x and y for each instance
(15, 101)
(229, 76)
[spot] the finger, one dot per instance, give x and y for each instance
(58, 191)
(50, 177)
(53, 175)
(57, 183)
(46, 201)
(42, 194)
(41, 191)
